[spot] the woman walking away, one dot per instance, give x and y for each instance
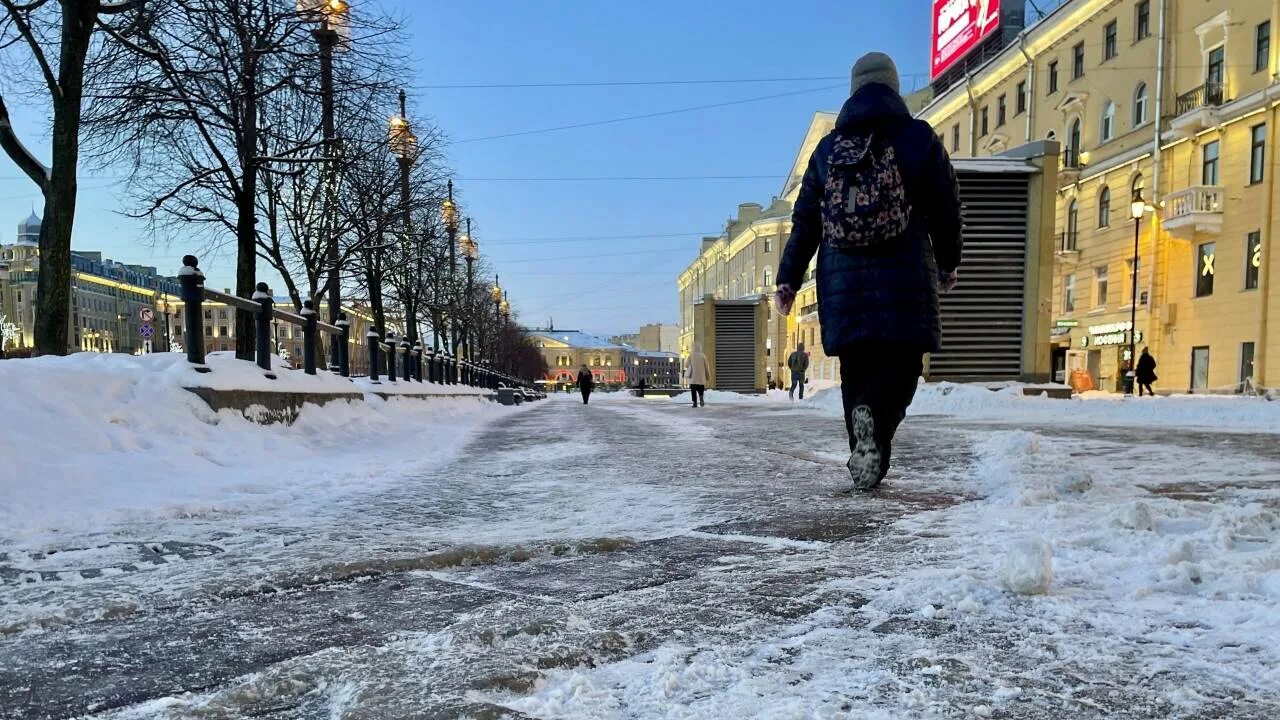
(698, 371)
(1146, 373)
(586, 383)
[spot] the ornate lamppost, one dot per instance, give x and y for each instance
(470, 251)
(449, 210)
(404, 145)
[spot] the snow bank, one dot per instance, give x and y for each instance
(1009, 404)
(721, 397)
(91, 439)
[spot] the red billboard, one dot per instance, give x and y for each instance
(958, 27)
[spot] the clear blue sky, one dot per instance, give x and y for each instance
(599, 285)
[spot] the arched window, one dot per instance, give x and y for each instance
(1138, 185)
(1104, 207)
(1108, 128)
(1073, 226)
(1140, 105)
(1073, 144)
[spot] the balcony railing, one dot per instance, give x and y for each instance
(1208, 95)
(1195, 209)
(1070, 158)
(808, 309)
(1068, 241)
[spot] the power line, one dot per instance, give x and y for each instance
(591, 238)
(646, 116)
(773, 176)
(625, 83)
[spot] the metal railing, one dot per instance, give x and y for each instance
(1071, 158)
(1192, 200)
(1210, 94)
(401, 358)
(1068, 241)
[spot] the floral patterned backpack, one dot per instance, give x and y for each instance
(865, 202)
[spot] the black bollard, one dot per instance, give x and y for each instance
(344, 347)
(192, 281)
(262, 326)
(310, 319)
(406, 359)
(372, 338)
(429, 360)
(417, 360)
(390, 348)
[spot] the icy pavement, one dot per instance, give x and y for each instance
(640, 559)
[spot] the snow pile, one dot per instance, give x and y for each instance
(1027, 569)
(1007, 403)
(723, 397)
(91, 439)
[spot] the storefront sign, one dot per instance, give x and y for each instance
(958, 27)
(1067, 323)
(1109, 335)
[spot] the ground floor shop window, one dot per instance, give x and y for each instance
(1200, 368)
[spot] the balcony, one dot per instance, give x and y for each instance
(808, 310)
(1197, 109)
(1197, 209)
(1067, 245)
(1072, 162)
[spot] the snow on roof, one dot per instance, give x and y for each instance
(656, 354)
(578, 339)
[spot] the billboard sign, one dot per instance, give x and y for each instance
(958, 27)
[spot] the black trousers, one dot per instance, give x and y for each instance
(1145, 386)
(699, 393)
(586, 393)
(884, 379)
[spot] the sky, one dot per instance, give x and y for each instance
(599, 255)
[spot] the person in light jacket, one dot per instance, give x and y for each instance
(698, 371)
(586, 383)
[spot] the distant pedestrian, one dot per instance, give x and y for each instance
(586, 383)
(880, 207)
(640, 386)
(698, 372)
(1146, 373)
(798, 364)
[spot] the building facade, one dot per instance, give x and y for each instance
(566, 351)
(1172, 103)
(657, 369)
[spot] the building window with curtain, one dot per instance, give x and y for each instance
(1108, 126)
(1140, 105)
(1109, 41)
(1020, 101)
(1257, 153)
(1142, 21)
(1077, 61)
(1100, 286)
(1252, 259)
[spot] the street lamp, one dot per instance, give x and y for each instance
(470, 251)
(449, 213)
(334, 32)
(404, 145)
(1136, 207)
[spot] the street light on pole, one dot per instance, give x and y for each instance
(470, 251)
(1136, 207)
(449, 210)
(332, 33)
(404, 145)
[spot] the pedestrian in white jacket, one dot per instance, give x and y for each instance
(698, 371)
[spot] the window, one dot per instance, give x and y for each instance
(1246, 365)
(955, 138)
(1262, 47)
(768, 279)
(1215, 74)
(1108, 121)
(1142, 21)
(1109, 41)
(768, 245)
(1131, 268)
(1053, 77)
(1104, 207)
(1000, 112)
(1021, 101)
(1257, 153)
(1072, 159)
(1209, 167)
(1200, 367)
(1077, 61)
(208, 331)
(1100, 286)
(985, 118)
(1069, 293)
(1252, 260)
(1204, 269)
(1073, 226)
(1140, 105)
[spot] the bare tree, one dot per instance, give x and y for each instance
(59, 36)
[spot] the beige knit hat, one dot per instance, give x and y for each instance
(874, 67)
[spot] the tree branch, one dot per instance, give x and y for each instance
(24, 28)
(21, 156)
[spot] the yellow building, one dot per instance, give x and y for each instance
(1176, 102)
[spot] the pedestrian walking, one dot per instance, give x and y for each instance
(640, 387)
(698, 371)
(1146, 373)
(880, 207)
(586, 383)
(798, 364)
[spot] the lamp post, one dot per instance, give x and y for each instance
(1136, 207)
(449, 209)
(332, 16)
(470, 251)
(404, 145)
(504, 310)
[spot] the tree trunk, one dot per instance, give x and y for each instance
(53, 293)
(246, 203)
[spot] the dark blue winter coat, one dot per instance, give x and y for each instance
(889, 295)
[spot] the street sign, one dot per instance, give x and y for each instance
(146, 314)
(147, 331)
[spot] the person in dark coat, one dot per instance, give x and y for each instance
(586, 383)
(1146, 373)
(887, 241)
